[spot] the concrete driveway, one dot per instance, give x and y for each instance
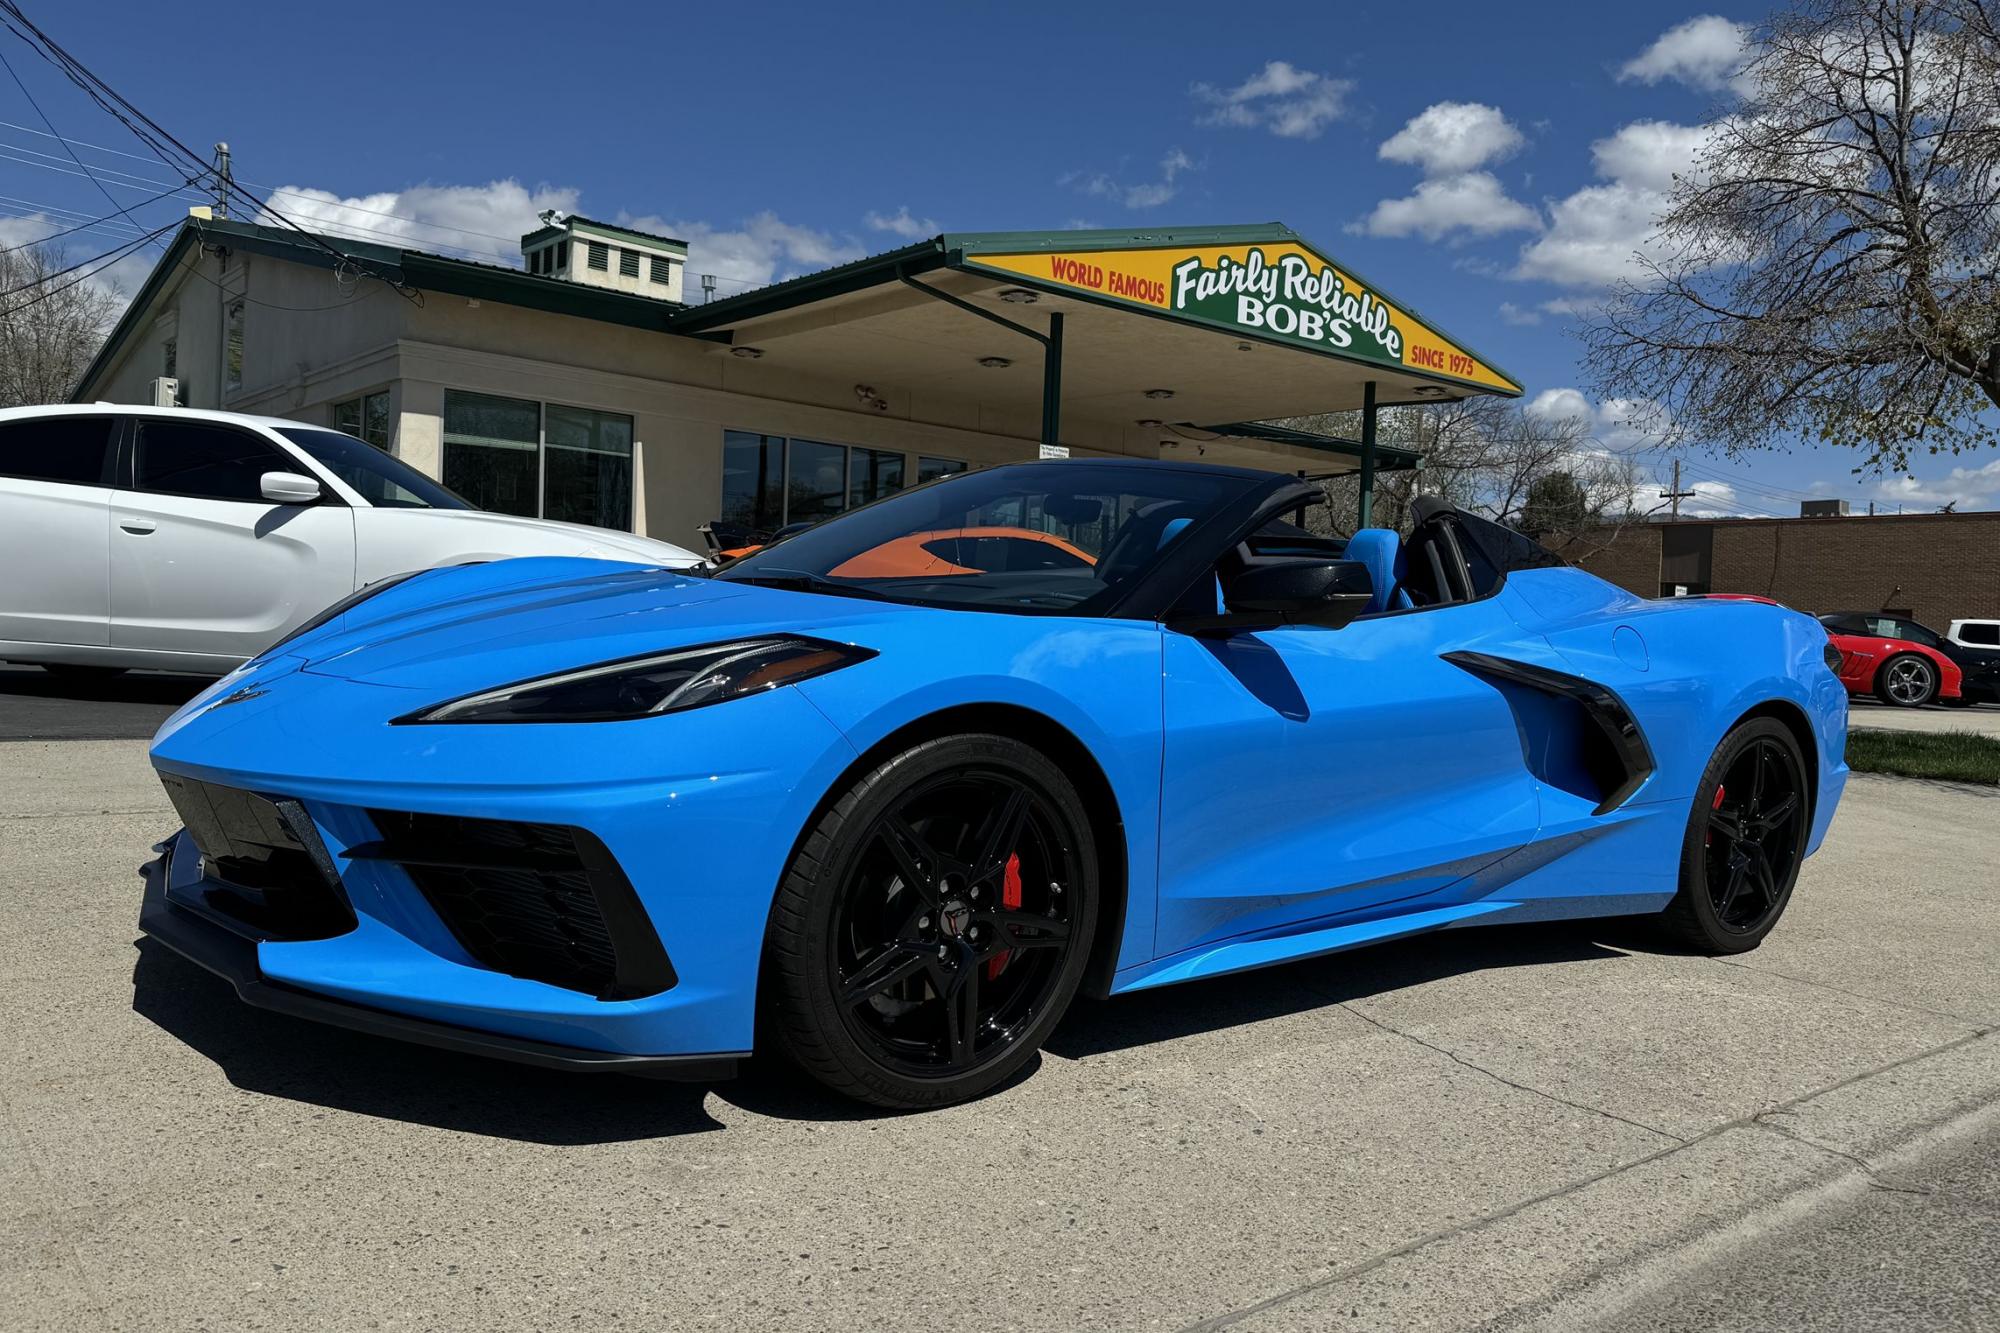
(1513, 1124)
(1983, 718)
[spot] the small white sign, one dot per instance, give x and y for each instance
(1055, 451)
(1680, 590)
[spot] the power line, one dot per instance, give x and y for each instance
(95, 224)
(117, 105)
(77, 143)
(63, 214)
(47, 292)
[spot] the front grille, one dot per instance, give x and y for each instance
(263, 864)
(546, 902)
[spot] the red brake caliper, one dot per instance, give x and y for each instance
(1716, 804)
(1010, 899)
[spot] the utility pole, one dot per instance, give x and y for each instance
(1675, 494)
(223, 181)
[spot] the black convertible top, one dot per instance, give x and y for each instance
(1503, 547)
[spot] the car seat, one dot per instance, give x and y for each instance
(1382, 551)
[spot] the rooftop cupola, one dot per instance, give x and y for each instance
(602, 254)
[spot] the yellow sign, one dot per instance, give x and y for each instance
(1278, 290)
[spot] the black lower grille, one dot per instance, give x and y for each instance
(263, 864)
(542, 901)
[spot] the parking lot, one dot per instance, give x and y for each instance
(1521, 1125)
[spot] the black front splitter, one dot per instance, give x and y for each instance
(233, 957)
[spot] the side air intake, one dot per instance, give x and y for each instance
(1576, 735)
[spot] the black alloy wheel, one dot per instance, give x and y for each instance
(1907, 681)
(1745, 840)
(935, 925)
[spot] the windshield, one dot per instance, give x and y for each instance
(1058, 538)
(385, 481)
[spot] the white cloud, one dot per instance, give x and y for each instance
(1598, 235)
(1513, 314)
(1142, 194)
(1966, 487)
(1619, 425)
(1711, 499)
(1704, 52)
(902, 224)
(118, 279)
(1447, 138)
(1290, 102)
(1473, 203)
(763, 249)
(483, 222)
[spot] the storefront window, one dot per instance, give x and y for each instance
(492, 451)
(872, 474)
(930, 469)
(587, 477)
(365, 418)
(769, 481)
(817, 486)
(753, 480)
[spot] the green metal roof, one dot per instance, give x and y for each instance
(414, 268)
(1388, 458)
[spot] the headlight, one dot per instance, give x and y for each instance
(636, 687)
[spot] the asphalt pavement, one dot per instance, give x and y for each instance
(1982, 718)
(1516, 1125)
(39, 705)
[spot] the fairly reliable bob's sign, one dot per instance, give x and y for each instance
(1278, 290)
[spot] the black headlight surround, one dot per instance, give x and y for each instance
(797, 657)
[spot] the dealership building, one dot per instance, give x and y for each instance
(584, 386)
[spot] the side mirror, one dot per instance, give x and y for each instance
(289, 488)
(1327, 593)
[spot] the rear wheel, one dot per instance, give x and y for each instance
(1906, 681)
(934, 925)
(1745, 839)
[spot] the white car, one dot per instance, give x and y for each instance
(1975, 633)
(189, 540)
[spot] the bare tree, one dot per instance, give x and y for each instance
(1831, 262)
(1487, 456)
(51, 325)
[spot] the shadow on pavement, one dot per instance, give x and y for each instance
(1291, 988)
(38, 705)
(136, 687)
(325, 1066)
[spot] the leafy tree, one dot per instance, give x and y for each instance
(1830, 263)
(1556, 504)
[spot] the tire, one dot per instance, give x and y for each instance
(882, 951)
(1906, 680)
(80, 674)
(1740, 858)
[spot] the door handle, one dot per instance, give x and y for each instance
(138, 527)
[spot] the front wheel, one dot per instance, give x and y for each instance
(1746, 836)
(934, 924)
(1906, 681)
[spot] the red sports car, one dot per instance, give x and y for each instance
(1876, 659)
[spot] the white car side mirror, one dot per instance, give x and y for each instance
(289, 488)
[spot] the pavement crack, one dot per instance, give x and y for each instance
(1477, 1068)
(1982, 1025)
(1764, 1120)
(1759, 1119)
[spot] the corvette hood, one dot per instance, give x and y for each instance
(492, 625)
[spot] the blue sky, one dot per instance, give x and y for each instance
(1490, 169)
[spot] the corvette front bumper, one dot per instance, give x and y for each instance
(214, 943)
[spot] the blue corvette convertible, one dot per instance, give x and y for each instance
(887, 794)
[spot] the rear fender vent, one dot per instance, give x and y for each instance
(545, 902)
(1576, 735)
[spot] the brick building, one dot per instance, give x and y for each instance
(1935, 567)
